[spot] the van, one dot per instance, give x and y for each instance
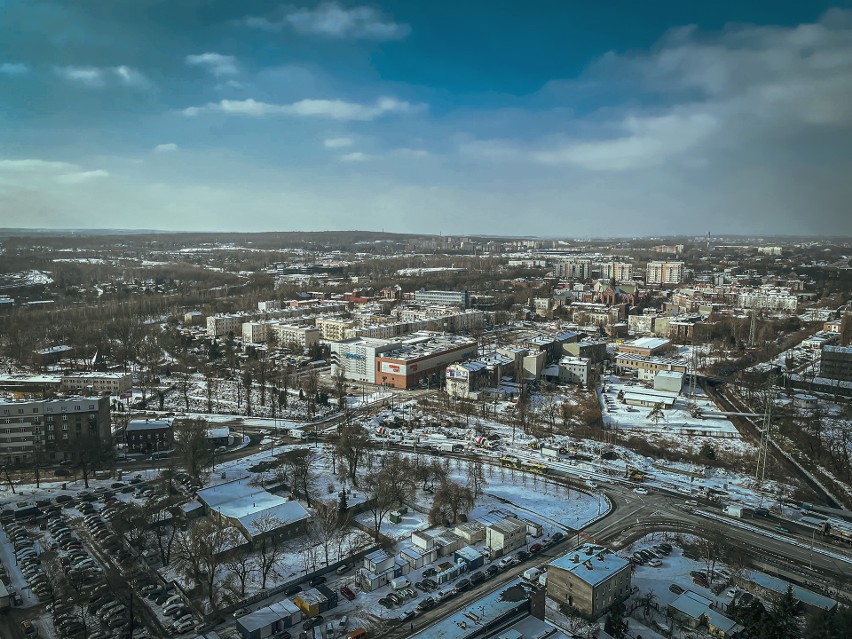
(400, 582)
(358, 633)
(531, 574)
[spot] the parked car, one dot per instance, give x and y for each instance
(316, 581)
(462, 584)
(313, 621)
(477, 577)
(427, 604)
(408, 615)
(342, 570)
(347, 592)
(292, 590)
(535, 548)
(676, 589)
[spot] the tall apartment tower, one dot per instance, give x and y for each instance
(664, 273)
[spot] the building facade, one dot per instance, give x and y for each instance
(442, 298)
(590, 579)
(662, 273)
(302, 336)
(112, 383)
(836, 363)
(55, 429)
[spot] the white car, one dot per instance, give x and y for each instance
(182, 627)
(591, 484)
(640, 491)
(655, 563)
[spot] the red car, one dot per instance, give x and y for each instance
(346, 592)
(535, 548)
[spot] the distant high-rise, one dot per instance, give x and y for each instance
(664, 273)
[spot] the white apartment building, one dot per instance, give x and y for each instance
(269, 305)
(574, 370)
(357, 357)
(621, 271)
(770, 300)
(333, 329)
(659, 272)
(575, 268)
(255, 332)
(112, 383)
(303, 336)
(220, 325)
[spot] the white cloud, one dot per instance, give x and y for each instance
(332, 109)
(355, 156)
(166, 148)
(97, 77)
(337, 143)
(80, 177)
(332, 20)
(650, 141)
(34, 172)
(214, 63)
(14, 68)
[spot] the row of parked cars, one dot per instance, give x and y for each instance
(28, 560)
(172, 606)
(652, 556)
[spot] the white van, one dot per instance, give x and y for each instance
(400, 582)
(531, 574)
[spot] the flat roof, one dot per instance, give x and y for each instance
(648, 342)
(780, 586)
(604, 563)
(838, 349)
(148, 424)
(469, 622)
(248, 504)
(268, 615)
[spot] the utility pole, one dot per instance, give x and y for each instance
(752, 331)
(763, 451)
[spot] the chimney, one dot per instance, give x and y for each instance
(576, 559)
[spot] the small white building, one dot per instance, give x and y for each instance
(574, 370)
(506, 535)
(671, 381)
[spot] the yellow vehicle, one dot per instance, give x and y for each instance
(634, 474)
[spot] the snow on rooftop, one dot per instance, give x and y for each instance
(248, 504)
(604, 563)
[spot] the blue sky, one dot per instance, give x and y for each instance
(543, 118)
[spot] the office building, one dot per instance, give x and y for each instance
(442, 298)
(836, 363)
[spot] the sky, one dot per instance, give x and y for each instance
(555, 118)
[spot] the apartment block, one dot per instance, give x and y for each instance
(52, 428)
(221, 325)
(111, 383)
(303, 336)
(662, 273)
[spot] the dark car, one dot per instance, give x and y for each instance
(522, 555)
(491, 570)
(61, 472)
(430, 572)
(316, 581)
(292, 590)
(676, 589)
(557, 537)
(535, 548)
(347, 592)
(427, 604)
(477, 577)
(314, 621)
(462, 585)
(406, 616)
(384, 602)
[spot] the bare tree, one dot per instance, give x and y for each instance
(451, 499)
(242, 567)
(270, 550)
(192, 447)
(299, 462)
(389, 488)
(352, 446)
(476, 476)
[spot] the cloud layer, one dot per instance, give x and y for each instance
(332, 20)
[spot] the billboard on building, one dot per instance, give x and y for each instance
(456, 373)
(393, 368)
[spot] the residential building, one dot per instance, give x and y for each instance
(646, 346)
(149, 435)
(99, 383)
(594, 351)
(836, 363)
(443, 298)
(647, 367)
(504, 536)
(221, 325)
(618, 271)
(590, 579)
(574, 370)
(379, 569)
(255, 332)
(776, 300)
(333, 329)
(693, 610)
(193, 318)
(574, 268)
(301, 336)
(55, 428)
(663, 273)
